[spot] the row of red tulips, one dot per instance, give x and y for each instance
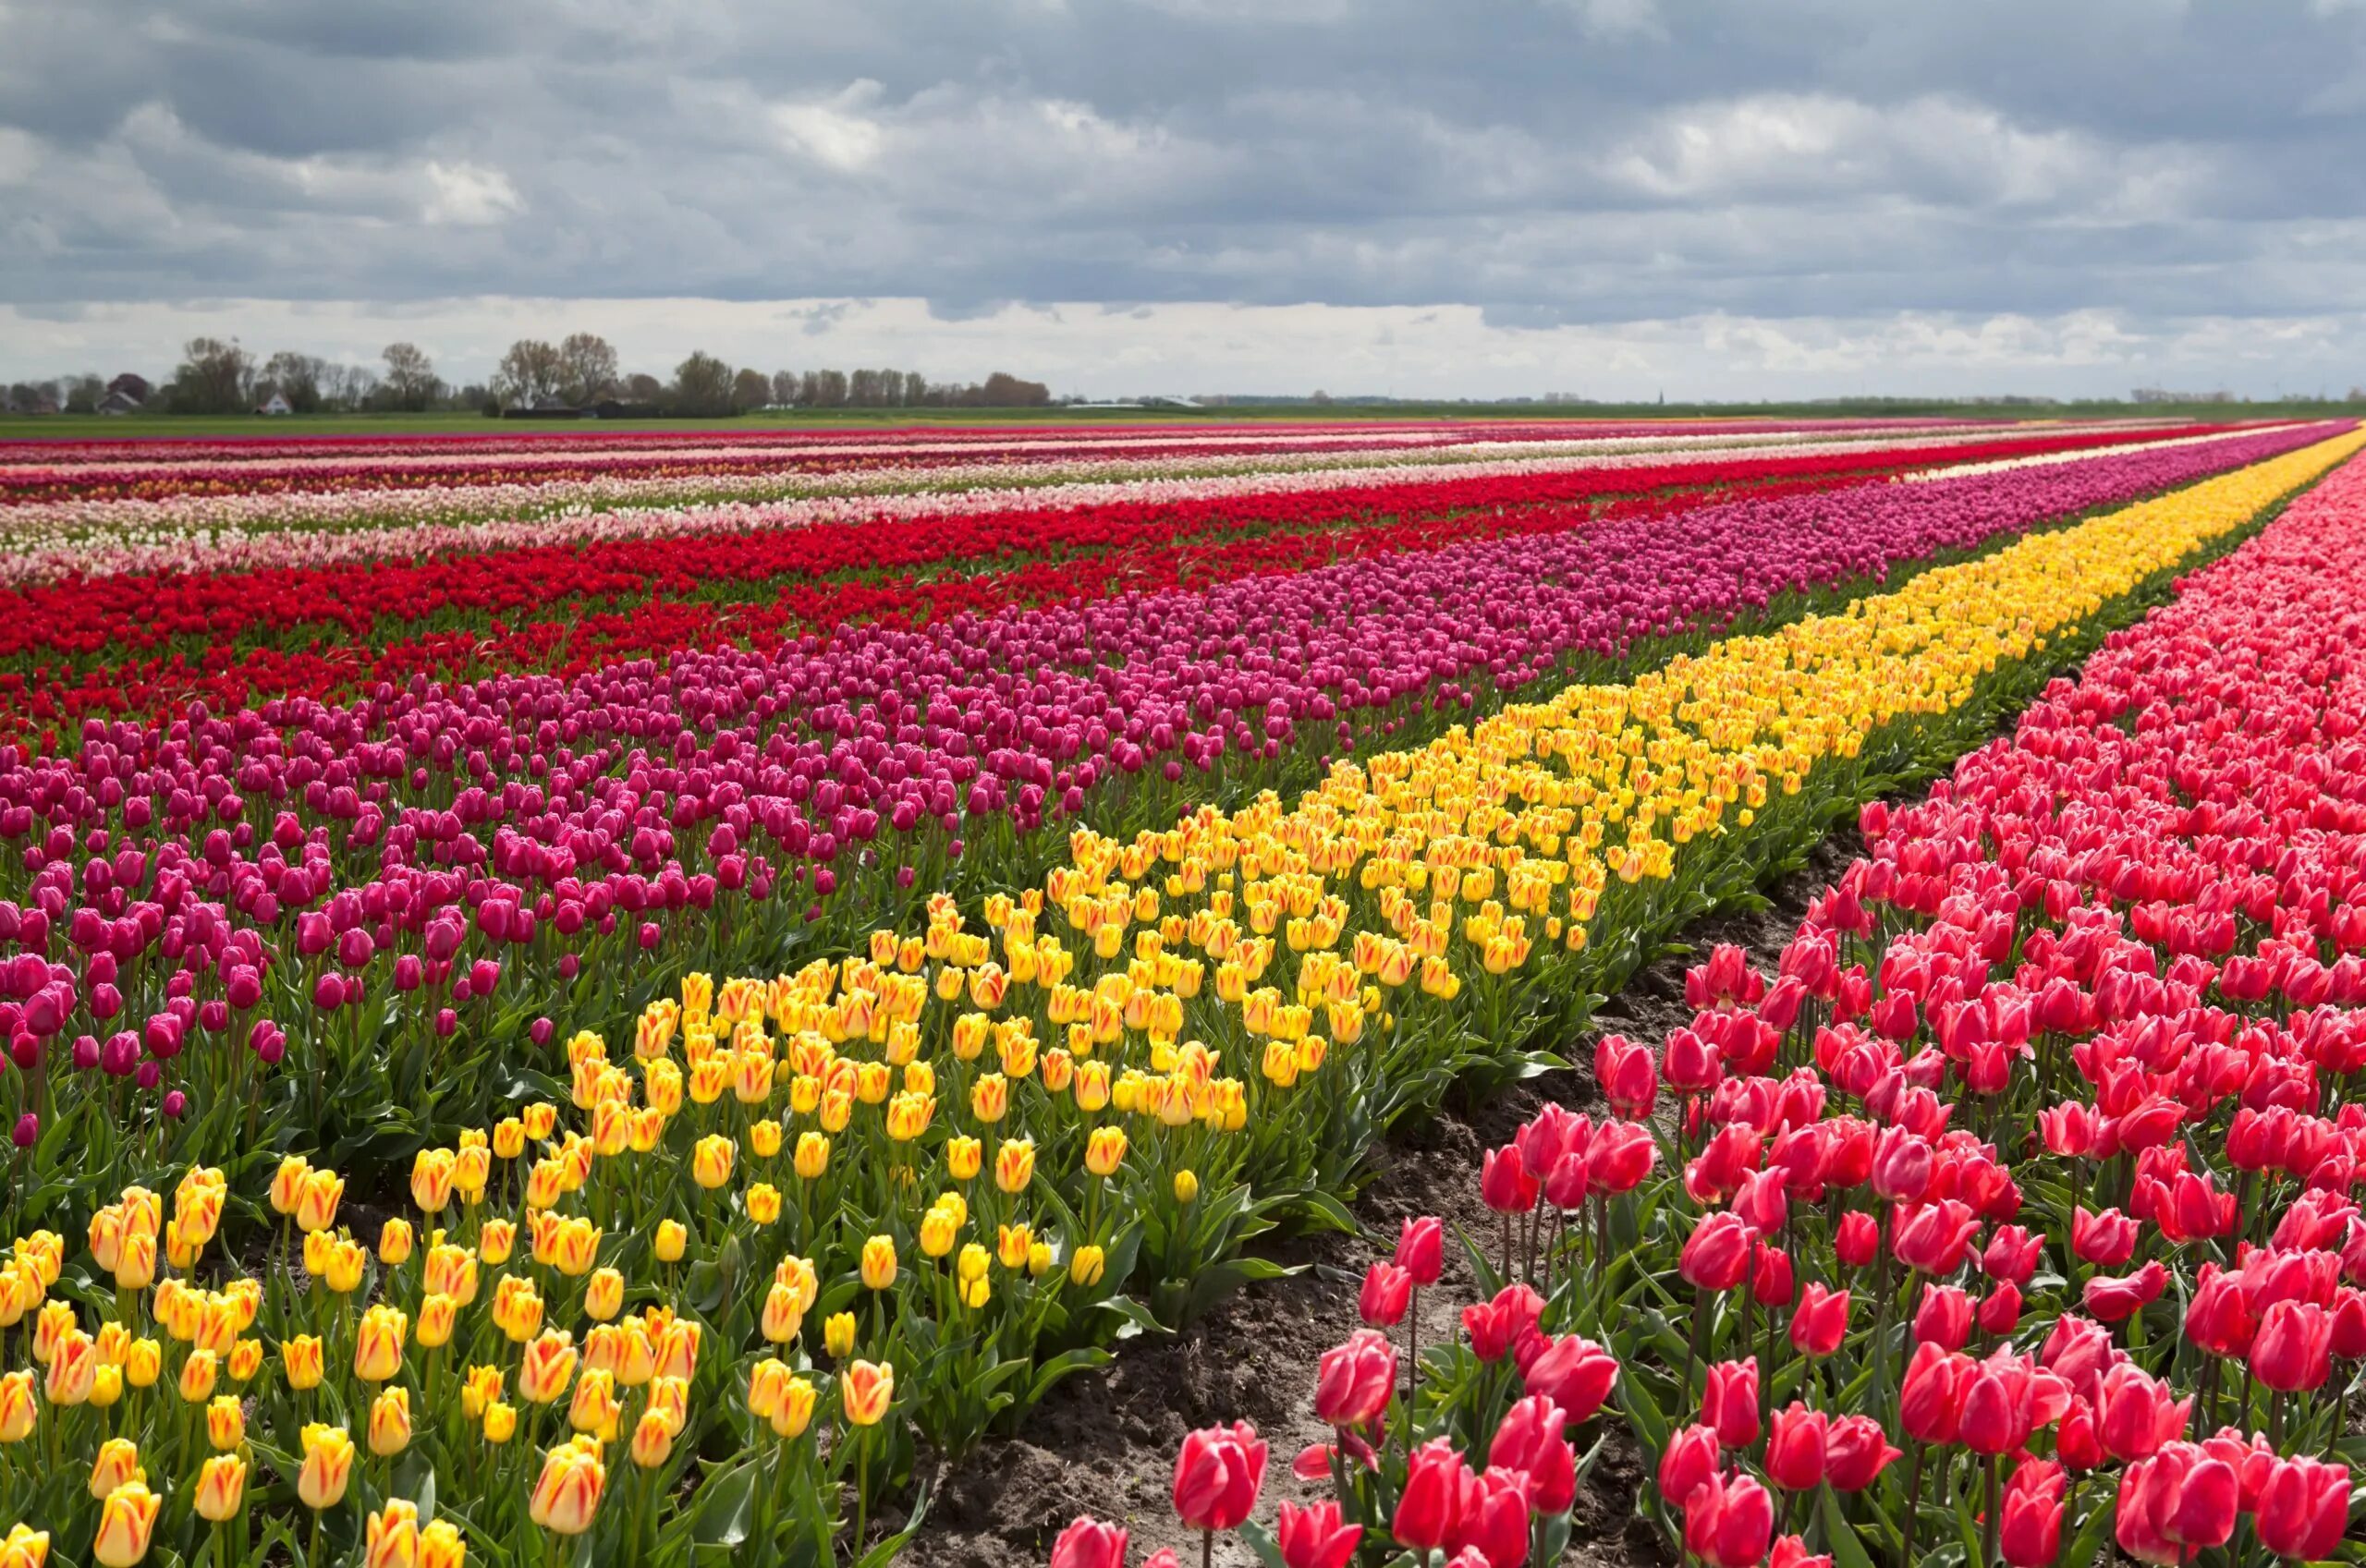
(2012, 1216)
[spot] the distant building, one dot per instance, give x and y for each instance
(623, 408)
(118, 402)
(134, 387)
(274, 405)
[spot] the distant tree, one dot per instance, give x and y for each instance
(1321, 399)
(644, 389)
(915, 389)
(213, 377)
(829, 389)
(784, 387)
(296, 377)
(750, 389)
(532, 370)
(702, 384)
(23, 397)
(348, 386)
(1003, 391)
(82, 393)
(587, 367)
(410, 381)
(135, 387)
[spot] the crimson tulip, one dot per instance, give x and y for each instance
(1314, 1537)
(1089, 1543)
(1728, 1523)
(1856, 1450)
(1729, 1402)
(1218, 1473)
(1575, 1373)
(1794, 1448)
(1354, 1381)
(2303, 1511)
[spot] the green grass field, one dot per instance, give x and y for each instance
(90, 427)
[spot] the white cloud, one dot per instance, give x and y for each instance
(834, 131)
(469, 195)
(19, 156)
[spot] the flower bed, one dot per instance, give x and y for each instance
(1191, 1029)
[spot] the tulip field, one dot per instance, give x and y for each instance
(632, 998)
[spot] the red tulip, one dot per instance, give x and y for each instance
(2031, 1533)
(1717, 1254)
(1729, 1402)
(1089, 1543)
(1794, 1448)
(1505, 1184)
(1575, 1373)
(1770, 1276)
(2012, 1255)
(2135, 1415)
(1354, 1381)
(1530, 1441)
(1789, 1552)
(1497, 1326)
(1387, 1291)
(2304, 1508)
(1430, 1508)
(1622, 1155)
(1690, 1458)
(2174, 1503)
(1420, 1250)
(1932, 1238)
(1728, 1523)
(2219, 1317)
(2294, 1347)
(1314, 1537)
(1855, 1452)
(1218, 1474)
(1628, 1076)
(1930, 1400)
(2000, 1310)
(2105, 1240)
(2114, 1299)
(1820, 1321)
(1944, 1317)
(1858, 1239)
(1688, 1063)
(1494, 1520)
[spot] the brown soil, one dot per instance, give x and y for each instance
(1105, 1444)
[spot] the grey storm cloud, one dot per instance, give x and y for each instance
(1545, 162)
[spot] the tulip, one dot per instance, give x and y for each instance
(221, 1489)
(1575, 1373)
(117, 1463)
(1794, 1448)
(2032, 1532)
(1496, 1325)
(2106, 1240)
(1944, 1318)
(2294, 1347)
(1729, 1402)
(390, 1536)
(1388, 1290)
(226, 1422)
(1089, 1543)
(1218, 1473)
(2135, 1415)
(1820, 1321)
(327, 1466)
(1716, 1256)
(1856, 1451)
(389, 1431)
(2303, 1510)
(1858, 1239)
(1930, 1400)
(1727, 1524)
(378, 1344)
(1429, 1510)
(567, 1495)
(1355, 1380)
(1492, 1524)
(865, 1391)
(1530, 1442)
(2116, 1299)
(2173, 1503)
(127, 1520)
(879, 1262)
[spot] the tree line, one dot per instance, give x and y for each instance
(578, 371)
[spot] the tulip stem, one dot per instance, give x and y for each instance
(1207, 1548)
(1913, 1498)
(1995, 1514)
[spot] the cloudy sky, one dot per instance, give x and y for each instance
(1612, 198)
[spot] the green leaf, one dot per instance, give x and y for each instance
(1060, 1366)
(1847, 1551)
(730, 1501)
(2089, 1542)
(1255, 1537)
(1134, 1316)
